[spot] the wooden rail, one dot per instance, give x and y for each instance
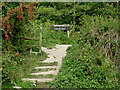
(28, 38)
(40, 42)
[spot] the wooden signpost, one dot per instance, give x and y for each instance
(61, 27)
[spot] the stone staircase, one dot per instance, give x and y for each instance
(47, 73)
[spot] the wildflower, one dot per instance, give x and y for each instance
(8, 26)
(6, 36)
(9, 42)
(11, 34)
(5, 32)
(17, 55)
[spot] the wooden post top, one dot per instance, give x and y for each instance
(60, 25)
(40, 26)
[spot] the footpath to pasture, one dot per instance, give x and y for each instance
(41, 73)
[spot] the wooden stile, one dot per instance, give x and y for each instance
(40, 42)
(53, 27)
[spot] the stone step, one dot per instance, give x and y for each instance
(42, 70)
(17, 87)
(49, 61)
(44, 67)
(44, 73)
(38, 80)
(54, 61)
(41, 76)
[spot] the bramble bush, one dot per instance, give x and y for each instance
(14, 16)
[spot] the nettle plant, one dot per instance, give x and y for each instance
(14, 16)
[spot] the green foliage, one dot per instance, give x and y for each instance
(26, 84)
(61, 13)
(84, 68)
(10, 67)
(14, 16)
(49, 64)
(91, 62)
(6, 85)
(82, 71)
(16, 67)
(42, 85)
(35, 49)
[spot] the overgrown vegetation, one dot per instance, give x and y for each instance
(21, 69)
(88, 63)
(92, 60)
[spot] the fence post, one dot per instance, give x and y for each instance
(68, 32)
(23, 44)
(40, 37)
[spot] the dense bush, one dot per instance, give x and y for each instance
(92, 60)
(85, 69)
(14, 16)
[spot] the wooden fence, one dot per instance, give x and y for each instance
(53, 27)
(40, 42)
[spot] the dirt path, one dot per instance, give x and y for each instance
(54, 55)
